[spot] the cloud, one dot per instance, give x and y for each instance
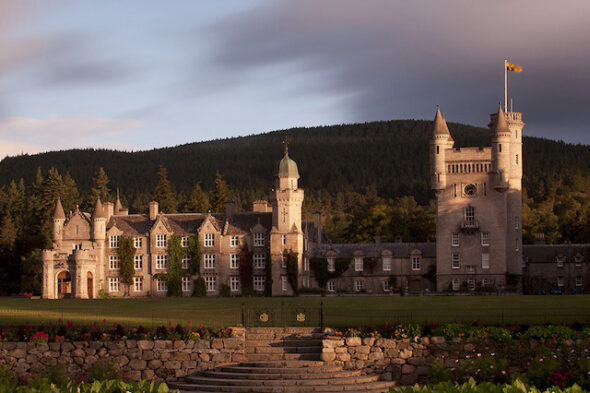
(30, 135)
(398, 59)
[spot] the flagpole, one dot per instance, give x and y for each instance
(505, 86)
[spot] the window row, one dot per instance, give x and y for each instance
(484, 237)
(358, 285)
(456, 262)
(208, 241)
(560, 281)
(469, 284)
(387, 263)
(161, 261)
(468, 168)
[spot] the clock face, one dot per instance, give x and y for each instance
(470, 189)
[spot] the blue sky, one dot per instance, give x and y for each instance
(135, 75)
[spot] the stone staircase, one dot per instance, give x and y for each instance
(282, 360)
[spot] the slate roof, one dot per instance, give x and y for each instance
(398, 250)
(546, 253)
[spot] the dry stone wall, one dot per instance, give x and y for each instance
(142, 359)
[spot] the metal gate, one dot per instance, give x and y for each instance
(283, 315)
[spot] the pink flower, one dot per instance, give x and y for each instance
(479, 355)
(491, 366)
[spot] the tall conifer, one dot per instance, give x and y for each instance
(163, 193)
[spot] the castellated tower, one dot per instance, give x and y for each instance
(478, 205)
(286, 233)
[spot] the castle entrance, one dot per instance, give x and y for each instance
(64, 285)
(90, 285)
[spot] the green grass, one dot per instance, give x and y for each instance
(338, 311)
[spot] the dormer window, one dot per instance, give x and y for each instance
(184, 242)
(259, 239)
(161, 241)
(137, 242)
(358, 264)
(209, 239)
(331, 265)
(114, 241)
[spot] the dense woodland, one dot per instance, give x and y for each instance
(366, 179)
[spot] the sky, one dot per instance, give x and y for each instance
(140, 74)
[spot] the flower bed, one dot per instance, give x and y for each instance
(111, 386)
(486, 387)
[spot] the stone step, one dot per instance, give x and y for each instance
(287, 342)
(315, 370)
(282, 356)
(281, 336)
(250, 350)
(204, 380)
(280, 364)
(278, 373)
(366, 387)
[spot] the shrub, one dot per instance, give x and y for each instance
(438, 372)
(102, 370)
(200, 290)
(224, 290)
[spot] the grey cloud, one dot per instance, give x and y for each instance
(398, 59)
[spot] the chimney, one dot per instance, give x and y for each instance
(154, 206)
(261, 206)
(317, 223)
(108, 210)
(230, 208)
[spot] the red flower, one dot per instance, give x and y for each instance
(189, 323)
(104, 321)
(169, 323)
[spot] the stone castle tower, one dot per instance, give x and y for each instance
(478, 205)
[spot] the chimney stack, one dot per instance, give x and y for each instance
(154, 207)
(230, 208)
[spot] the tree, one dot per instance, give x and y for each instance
(163, 193)
(198, 201)
(221, 194)
(100, 188)
(70, 196)
(126, 253)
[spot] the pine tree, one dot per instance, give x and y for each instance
(163, 193)
(100, 188)
(221, 194)
(70, 195)
(198, 201)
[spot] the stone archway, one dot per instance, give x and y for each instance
(64, 284)
(90, 284)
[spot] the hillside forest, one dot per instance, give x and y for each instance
(366, 179)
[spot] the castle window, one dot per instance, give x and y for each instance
(455, 261)
(485, 189)
(77, 246)
(415, 263)
(470, 215)
(331, 286)
(485, 282)
(560, 260)
(184, 241)
(515, 134)
(305, 264)
(358, 264)
(485, 261)
(283, 239)
(138, 284)
(331, 265)
(234, 283)
(233, 241)
(386, 264)
(471, 284)
(114, 241)
(137, 242)
(579, 281)
(578, 259)
(186, 260)
(209, 261)
(161, 286)
(114, 262)
(449, 168)
(500, 148)
(485, 239)
(161, 241)
(186, 284)
(455, 240)
(161, 262)
(114, 284)
(386, 286)
(560, 281)
(516, 244)
(437, 149)
(470, 269)
(259, 261)
(211, 283)
(138, 262)
(455, 284)
(455, 190)
(259, 283)
(233, 261)
(259, 239)
(209, 239)
(284, 283)
(516, 222)
(358, 285)
(516, 159)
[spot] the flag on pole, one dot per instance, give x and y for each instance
(513, 67)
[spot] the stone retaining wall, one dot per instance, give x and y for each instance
(407, 360)
(143, 359)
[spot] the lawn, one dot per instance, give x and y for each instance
(338, 311)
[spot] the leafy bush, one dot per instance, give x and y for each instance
(102, 370)
(438, 372)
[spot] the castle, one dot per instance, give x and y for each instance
(478, 238)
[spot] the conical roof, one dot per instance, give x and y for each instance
(288, 167)
(98, 210)
(501, 123)
(58, 213)
(118, 206)
(439, 126)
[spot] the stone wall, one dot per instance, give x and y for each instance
(407, 360)
(143, 359)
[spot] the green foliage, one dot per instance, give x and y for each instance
(550, 332)
(221, 194)
(246, 271)
(319, 266)
(174, 276)
(195, 254)
(102, 370)
(200, 289)
(224, 290)
(163, 193)
(198, 201)
(438, 372)
(100, 188)
(291, 258)
(126, 252)
(472, 386)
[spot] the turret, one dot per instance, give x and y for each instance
(440, 140)
(99, 221)
(287, 198)
(59, 219)
(501, 149)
